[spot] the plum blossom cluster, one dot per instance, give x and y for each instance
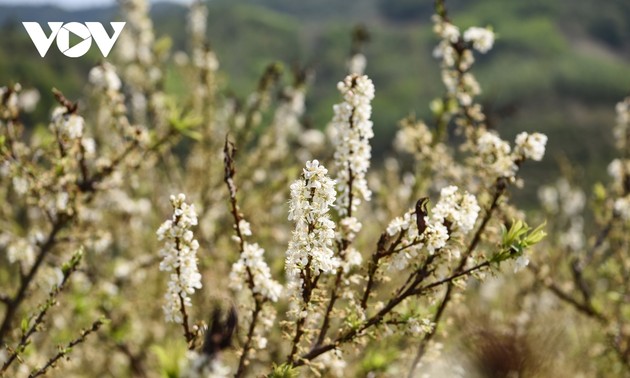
(104, 77)
(287, 116)
(197, 20)
(311, 245)
(202, 365)
(357, 64)
(622, 207)
(458, 210)
(17, 99)
(496, 155)
(23, 251)
(457, 57)
(353, 130)
(619, 169)
(454, 214)
(179, 258)
(564, 201)
(622, 128)
(433, 238)
(10, 106)
(414, 138)
(66, 124)
(530, 146)
(252, 260)
(482, 39)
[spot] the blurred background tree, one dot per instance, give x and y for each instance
(556, 68)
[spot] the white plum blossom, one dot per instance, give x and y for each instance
(74, 126)
(197, 19)
(350, 227)
(418, 326)
(352, 148)
(244, 228)
(20, 185)
(311, 244)
(205, 59)
(548, 196)
(445, 51)
(623, 123)
(89, 147)
(573, 199)
(357, 64)
(562, 196)
(470, 88)
(454, 214)
(622, 207)
(68, 126)
(530, 146)
(573, 238)
(618, 169)
(286, 119)
(445, 29)
(28, 99)
(10, 100)
(397, 225)
(312, 139)
(520, 263)
(334, 363)
(457, 59)
(202, 365)
(179, 258)
(623, 111)
(460, 210)
(414, 138)
(104, 77)
(481, 38)
(22, 251)
(352, 258)
(435, 236)
(495, 155)
(252, 259)
(449, 34)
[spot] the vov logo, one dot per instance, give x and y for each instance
(61, 32)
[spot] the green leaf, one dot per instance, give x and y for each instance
(599, 190)
(24, 325)
(283, 371)
(437, 107)
(517, 239)
(163, 45)
(537, 235)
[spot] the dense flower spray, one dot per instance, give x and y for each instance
(311, 199)
(179, 258)
(352, 127)
(252, 259)
(453, 215)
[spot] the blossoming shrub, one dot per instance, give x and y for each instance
(586, 266)
(289, 254)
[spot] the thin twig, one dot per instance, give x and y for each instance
(378, 317)
(228, 154)
(242, 363)
(65, 351)
(499, 189)
(38, 319)
(16, 301)
(585, 308)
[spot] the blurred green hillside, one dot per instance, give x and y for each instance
(557, 67)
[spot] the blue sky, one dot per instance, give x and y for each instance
(71, 4)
